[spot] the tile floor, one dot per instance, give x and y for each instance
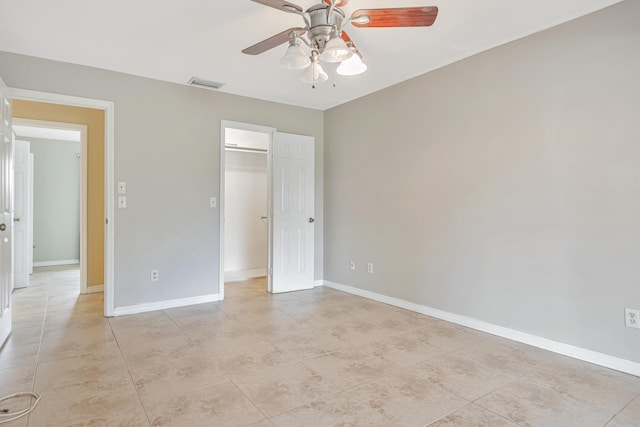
(312, 358)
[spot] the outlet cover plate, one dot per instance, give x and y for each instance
(632, 318)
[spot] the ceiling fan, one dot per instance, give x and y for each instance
(324, 35)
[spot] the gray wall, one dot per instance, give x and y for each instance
(167, 145)
(56, 199)
(505, 187)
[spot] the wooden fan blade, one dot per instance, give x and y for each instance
(350, 42)
(273, 41)
(339, 3)
(283, 5)
(398, 17)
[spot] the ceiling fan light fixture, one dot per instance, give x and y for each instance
(352, 66)
(295, 58)
(314, 73)
(336, 50)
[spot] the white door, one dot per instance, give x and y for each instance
(6, 214)
(22, 236)
(292, 198)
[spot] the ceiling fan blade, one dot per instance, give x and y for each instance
(339, 3)
(273, 41)
(397, 17)
(283, 5)
(350, 42)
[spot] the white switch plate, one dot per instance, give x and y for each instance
(352, 265)
(370, 268)
(213, 202)
(122, 187)
(122, 202)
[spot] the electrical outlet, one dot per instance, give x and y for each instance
(352, 265)
(632, 318)
(370, 268)
(155, 275)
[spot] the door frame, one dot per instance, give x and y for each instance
(228, 124)
(84, 289)
(109, 122)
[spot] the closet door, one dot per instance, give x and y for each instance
(292, 208)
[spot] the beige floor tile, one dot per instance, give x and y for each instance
(284, 388)
(217, 405)
(509, 357)
(214, 336)
(530, 403)
(336, 410)
(351, 367)
(59, 347)
(405, 349)
(473, 416)
(15, 380)
(629, 416)
(158, 377)
(263, 423)
(307, 343)
(31, 335)
(587, 386)
(97, 374)
(448, 336)
(407, 400)
(85, 406)
(13, 356)
(462, 375)
(251, 358)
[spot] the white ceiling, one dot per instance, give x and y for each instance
(176, 40)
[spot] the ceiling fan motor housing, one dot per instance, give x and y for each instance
(322, 25)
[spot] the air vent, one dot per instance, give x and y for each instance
(205, 84)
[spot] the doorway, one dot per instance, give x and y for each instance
(290, 204)
(102, 223)
(50, 198)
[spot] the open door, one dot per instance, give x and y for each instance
(6, 214)
(23, 208)
(292, 212)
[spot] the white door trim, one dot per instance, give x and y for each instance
(109, 142)
(83, 184)
(224, 124)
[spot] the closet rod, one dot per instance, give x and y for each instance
(245, 149)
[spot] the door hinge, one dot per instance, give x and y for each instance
(107, 221)
(270, 271)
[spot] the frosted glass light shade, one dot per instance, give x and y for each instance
(314, 74)
(352, 66)
(336, 50)
(295, 58)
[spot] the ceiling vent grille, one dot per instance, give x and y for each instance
(205, 84)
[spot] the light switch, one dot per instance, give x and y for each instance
(122, 187)
(213, 202)
(122, 202)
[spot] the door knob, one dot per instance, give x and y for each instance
(16, 219)
(311, 220)
(3, 227)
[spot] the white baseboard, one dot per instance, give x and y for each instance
(586, 355)
(163, 305)
(240, 275)
(94, 289)
(53, 263)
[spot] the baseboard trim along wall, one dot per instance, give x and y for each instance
(94, 289)
(241, 275)
(586, 355)
(163, 305)
(53, 263)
